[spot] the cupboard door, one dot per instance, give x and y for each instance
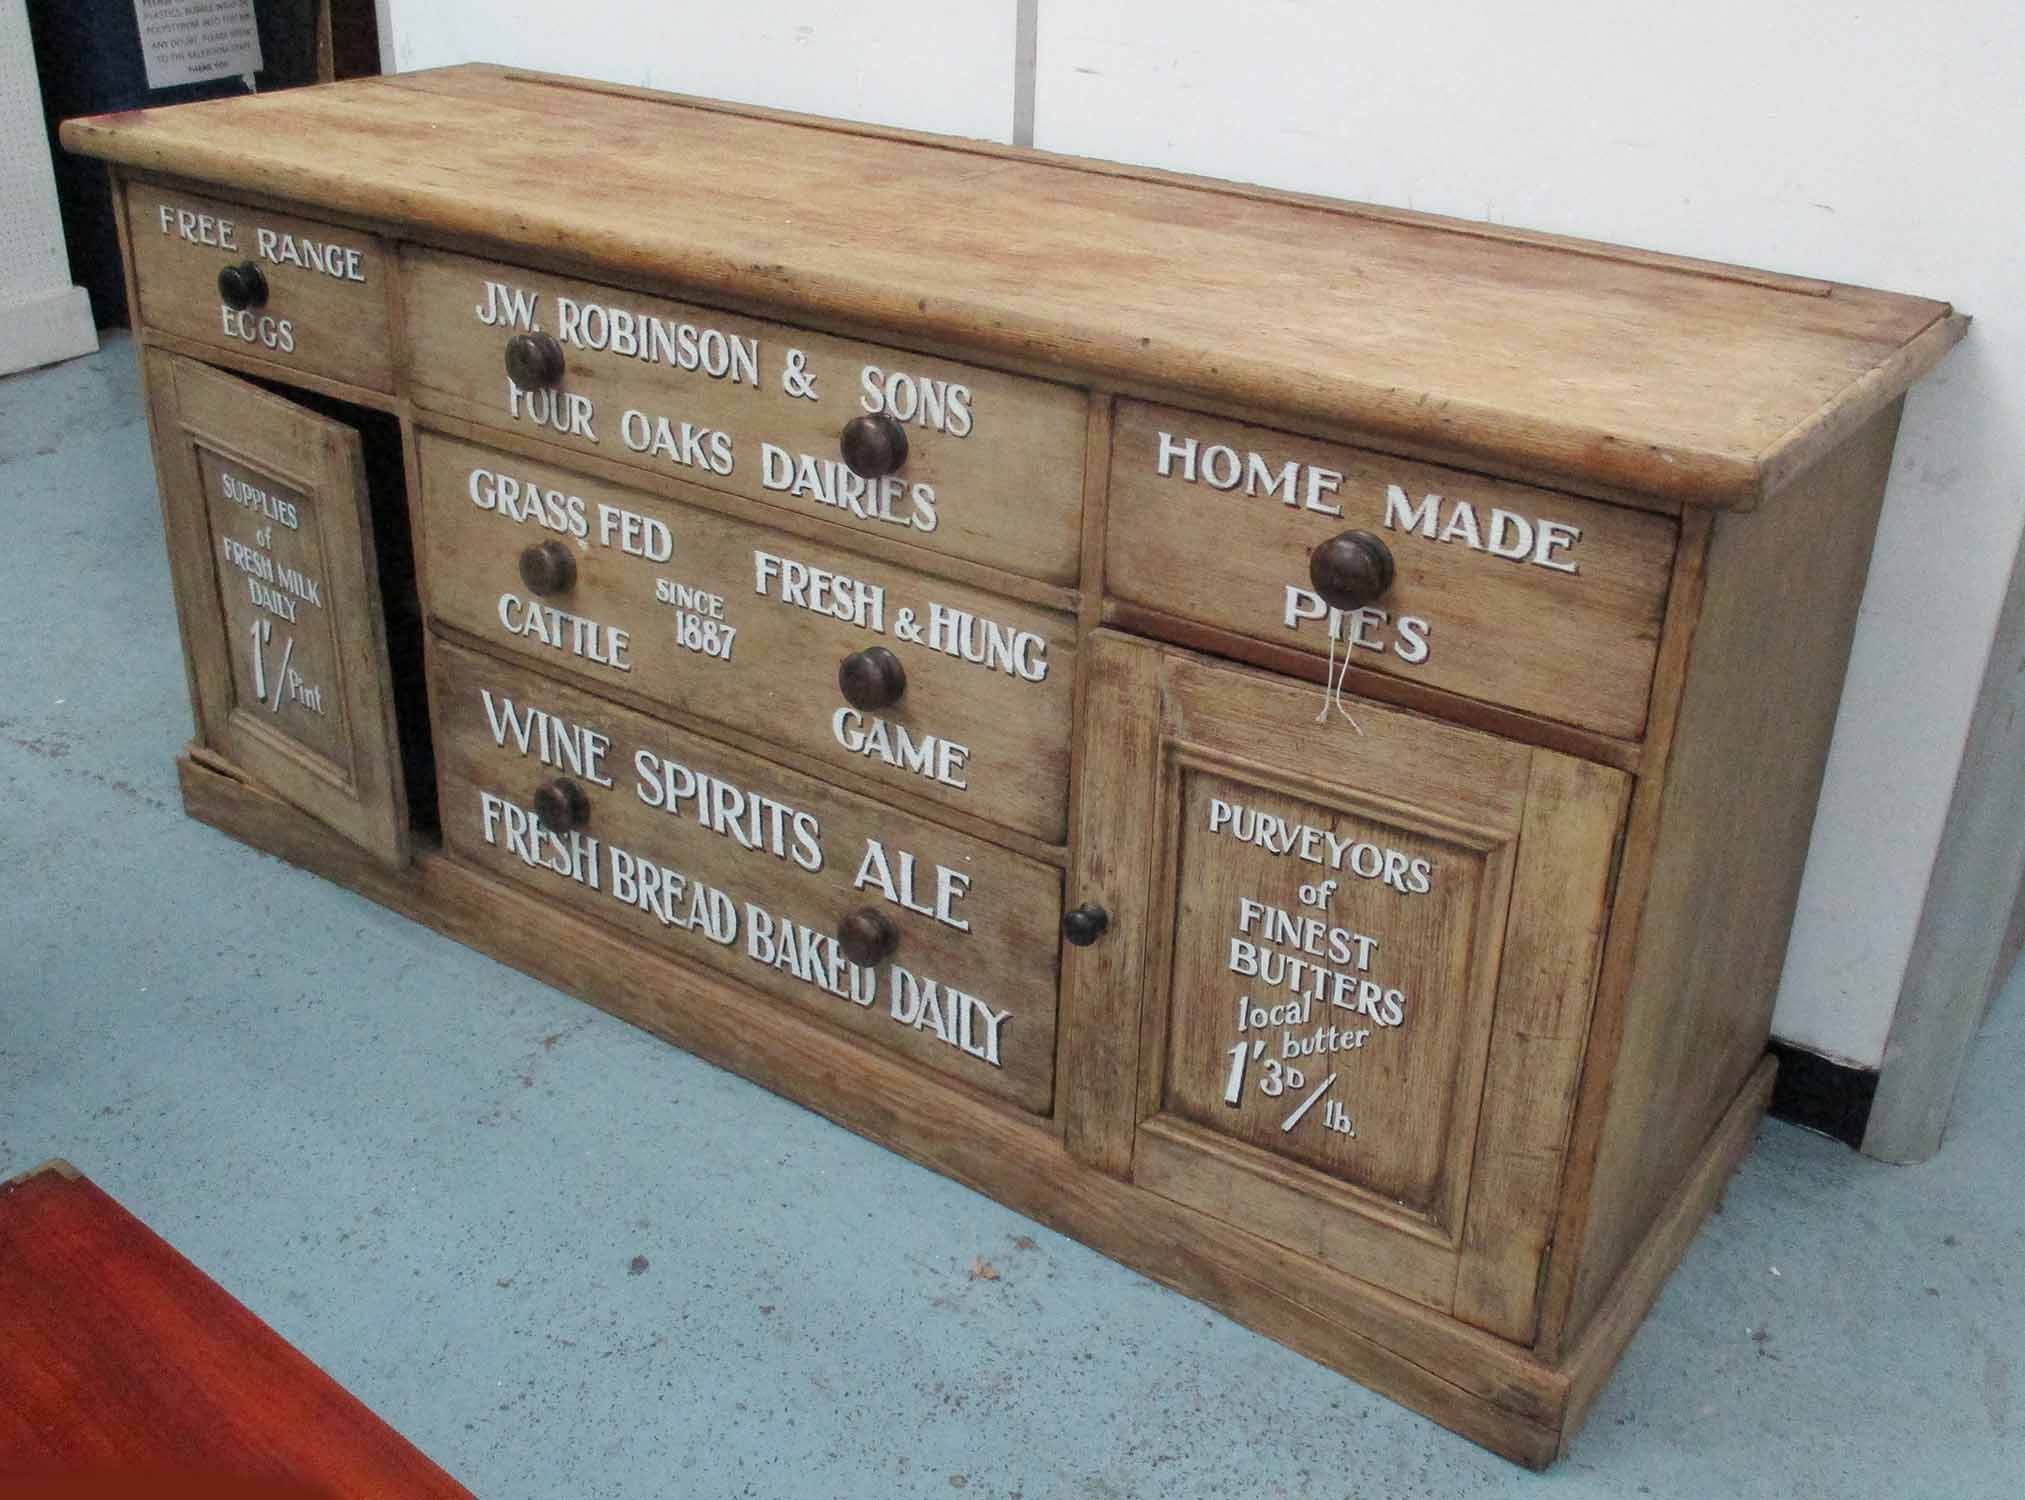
(1367, 946)
(271, 545)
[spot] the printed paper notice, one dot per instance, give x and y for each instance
(187, 41)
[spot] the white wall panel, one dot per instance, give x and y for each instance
(43, 318)
(1868, 144)
(946, 68)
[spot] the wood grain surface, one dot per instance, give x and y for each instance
(1759, 699)
(119, 1360)
(1411, 1155)
(1540, 1031)
(1224, 536)
(1003, 470)
(1116, 843)
(337, 324)
(1002, 963)
(307, 701)
(1408, 1089)
(1512, 353)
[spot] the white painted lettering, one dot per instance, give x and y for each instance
(570, 634)
(925, 755)
(1410, 875)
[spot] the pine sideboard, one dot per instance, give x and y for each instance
(1275, 736)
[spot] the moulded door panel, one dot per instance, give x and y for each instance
(271, 546)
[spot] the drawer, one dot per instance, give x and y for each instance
(1517, 596)
(1369, 974)
(993, 463)
(749, 868)
(726, 621)
(324, 307)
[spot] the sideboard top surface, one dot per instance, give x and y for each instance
(1549, 359)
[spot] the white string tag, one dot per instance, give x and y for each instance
(1332, 679)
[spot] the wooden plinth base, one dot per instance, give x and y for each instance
(1490, 1391)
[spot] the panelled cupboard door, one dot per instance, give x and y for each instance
(1369, 950)
(271, 544)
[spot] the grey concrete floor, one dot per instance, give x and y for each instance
(567, 1260)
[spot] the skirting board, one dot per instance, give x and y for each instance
(1488, 1390)
(44, 328)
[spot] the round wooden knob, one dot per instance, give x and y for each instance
(1084, 925)
(562, 805)
(534, 361)
(243, 286)
(871, 679)
(867, 936)
(548, 567)
(1351, 570)
(874, 446)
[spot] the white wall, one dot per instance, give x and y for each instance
(929, 67)
(43, 318)
(1873, 145)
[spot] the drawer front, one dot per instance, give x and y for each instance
(1374, 956)
(325, 307)
(726, 621)
(993, 467)
(744, 866)
(1517, 596)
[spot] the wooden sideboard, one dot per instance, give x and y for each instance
(1275, 736)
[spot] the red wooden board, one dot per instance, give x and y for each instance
(120, 1358)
